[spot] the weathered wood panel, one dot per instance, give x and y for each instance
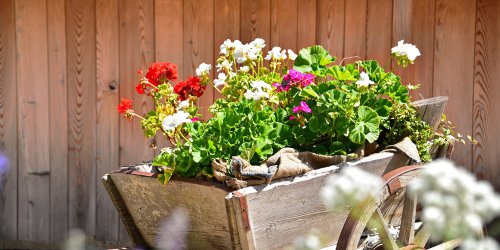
(199, 43)
(81, 66)
(33, 121)
(8, 120)
(136, 52)
(306, 23)
(453, 72)
(107, 133)
(379, 31)
(487, 92)
(284, 24)
(355, 30)
(255, 20)
(56, 28)
(330, 30)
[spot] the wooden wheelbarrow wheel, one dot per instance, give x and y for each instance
(396, 209)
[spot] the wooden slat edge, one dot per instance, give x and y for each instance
(122, 209)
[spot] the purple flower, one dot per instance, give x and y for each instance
(284, 86)
(299, 78)
(292, 117)
(302, 107)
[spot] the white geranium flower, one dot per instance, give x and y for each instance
(183, 105)
(226, 46)
(455, 203)
(258, 43)
(249, 94)
(274, 53)
(221, 80)
(260, 85)
(224, 65)
(283, 55)
(405, 53)
(244, 69)
(351, 186)
(171, 122)
(256, 95)
(364, 80)
(291, 55)
(203, 69)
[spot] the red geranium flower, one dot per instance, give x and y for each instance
(140, 88)
(191, 87)
(160, 72)
(125, 105)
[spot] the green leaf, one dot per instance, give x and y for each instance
(366, 126)
(309, 91)
(313, 59)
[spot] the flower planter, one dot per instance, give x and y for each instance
(268, 216)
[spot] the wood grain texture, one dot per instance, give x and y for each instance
(284, 24)
(422, 36)
(137, 51)
(330, 28)
(486, 122)
(379, 32)
(8, 120)
(107, 129)
(33, 121)
(199, 44)
(148, 203)
(225, 12)
(453, 72)
(58, 93)
(355, 27)
(401, 30)
(81, 61)
(169, 32)
(306, 23)
(255, 20)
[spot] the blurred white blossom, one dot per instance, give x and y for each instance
(350, 187)
(224, 65)
(173, 231)
(455, 204)
(173, 121)
(364, 80)
(307, 242)
(245, 69)
(291, 54)
(482, 244)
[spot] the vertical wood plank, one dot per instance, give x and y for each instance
(169, 33)
(422, 36)
(58, 120)
(8, 120)
(330, 26)
(306, 23)
(401, 28)
(255, 20)
(107, 129)
(137, 51)
(284, 24)
(33, 120)
(487, 92)
(454, 66)
(80, 32)
(379, 31)
(225, 12)
(199, 43)
(355, 24)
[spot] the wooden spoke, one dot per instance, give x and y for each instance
(407, 230)
(422, 236)
(377, 221)
(449, 245)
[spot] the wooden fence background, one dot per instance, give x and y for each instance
(65, 64)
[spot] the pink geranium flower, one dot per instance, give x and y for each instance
(302, 107)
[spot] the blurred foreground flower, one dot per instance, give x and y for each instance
(307, 242)
(173, 231)
(455, 204)
(350, 187)
(4, 166)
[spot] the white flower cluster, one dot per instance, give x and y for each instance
(203, 69)
(455, 203)
(405, 53)
(183, 105)
(221, 80)
(277, 53)
(171, 122)
(260, 90)
(350, 187)
(243, 52)
(364, 80)
(483, 244)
